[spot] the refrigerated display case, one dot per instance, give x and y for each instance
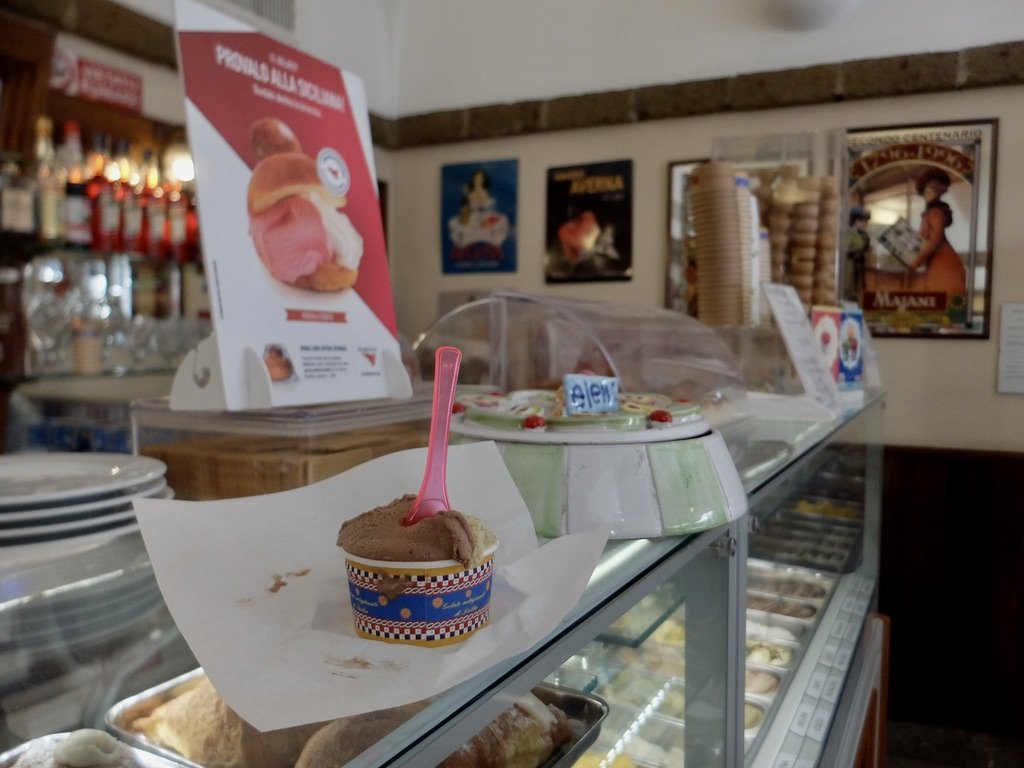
(701, 655)
(661, 631)
(804, 666)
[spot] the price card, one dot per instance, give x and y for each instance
(802, 719)
(590, 394)
(802, 345)
(818, 729)
(817, 683)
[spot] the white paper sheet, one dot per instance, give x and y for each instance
(286, 656)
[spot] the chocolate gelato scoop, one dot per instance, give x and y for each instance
(381, 535)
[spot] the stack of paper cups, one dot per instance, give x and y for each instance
(723, 245)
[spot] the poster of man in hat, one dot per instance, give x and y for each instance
(918, 247)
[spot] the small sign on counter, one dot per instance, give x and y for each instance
(293, 241)
(840, 334)
(802, 345)
(590, 394)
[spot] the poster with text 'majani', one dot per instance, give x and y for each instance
(291, 228)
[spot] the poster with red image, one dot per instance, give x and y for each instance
(292, 236)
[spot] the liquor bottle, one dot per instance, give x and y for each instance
(91, 317)
(195, 294)
(77, 207)
(13, 331)
(123, 173)
(50, 182)
(102, 189)
(154, 208)
(17, 212)
(131, 219)
(168, 279)
(150, 197)
(195, 297)
(127, 168)
(98, 157)
(177, 222)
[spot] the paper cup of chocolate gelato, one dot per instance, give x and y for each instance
(423, 584)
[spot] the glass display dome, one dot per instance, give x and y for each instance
(514, 341)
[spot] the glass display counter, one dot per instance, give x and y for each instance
(812, 580)
(668, 631)
(736, 643)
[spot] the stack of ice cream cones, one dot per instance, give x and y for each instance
(825, 268)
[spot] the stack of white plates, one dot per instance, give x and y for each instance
(85, 498)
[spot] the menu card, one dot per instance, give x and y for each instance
(802, 345)
(291, 227)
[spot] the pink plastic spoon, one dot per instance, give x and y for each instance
(433, 495)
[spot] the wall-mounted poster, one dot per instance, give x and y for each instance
(478, 216)
(918, 255)
(589, 232)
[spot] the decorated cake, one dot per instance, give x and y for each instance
(541, 410)
(587, 454)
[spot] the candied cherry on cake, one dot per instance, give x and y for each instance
(533, 421)
(458, 407)
(661, 415)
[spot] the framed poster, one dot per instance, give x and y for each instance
(589, 233)
(918, 250)
(478, 216)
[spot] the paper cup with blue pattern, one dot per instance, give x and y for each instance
(429, 603)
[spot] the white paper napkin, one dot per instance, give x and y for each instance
(257, 587)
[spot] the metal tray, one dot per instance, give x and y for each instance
(143, 758)
(584, 710)
(121, 716)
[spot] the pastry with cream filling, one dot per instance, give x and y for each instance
(523, 736)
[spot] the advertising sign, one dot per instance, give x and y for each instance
(590, 222)
(919, 245)
(291, 225)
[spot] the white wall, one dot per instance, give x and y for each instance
(421, 56)
(357, 35)
(940, 392)
(456, 53)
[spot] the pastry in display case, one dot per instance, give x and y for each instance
(187, 723)
(638, 666)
